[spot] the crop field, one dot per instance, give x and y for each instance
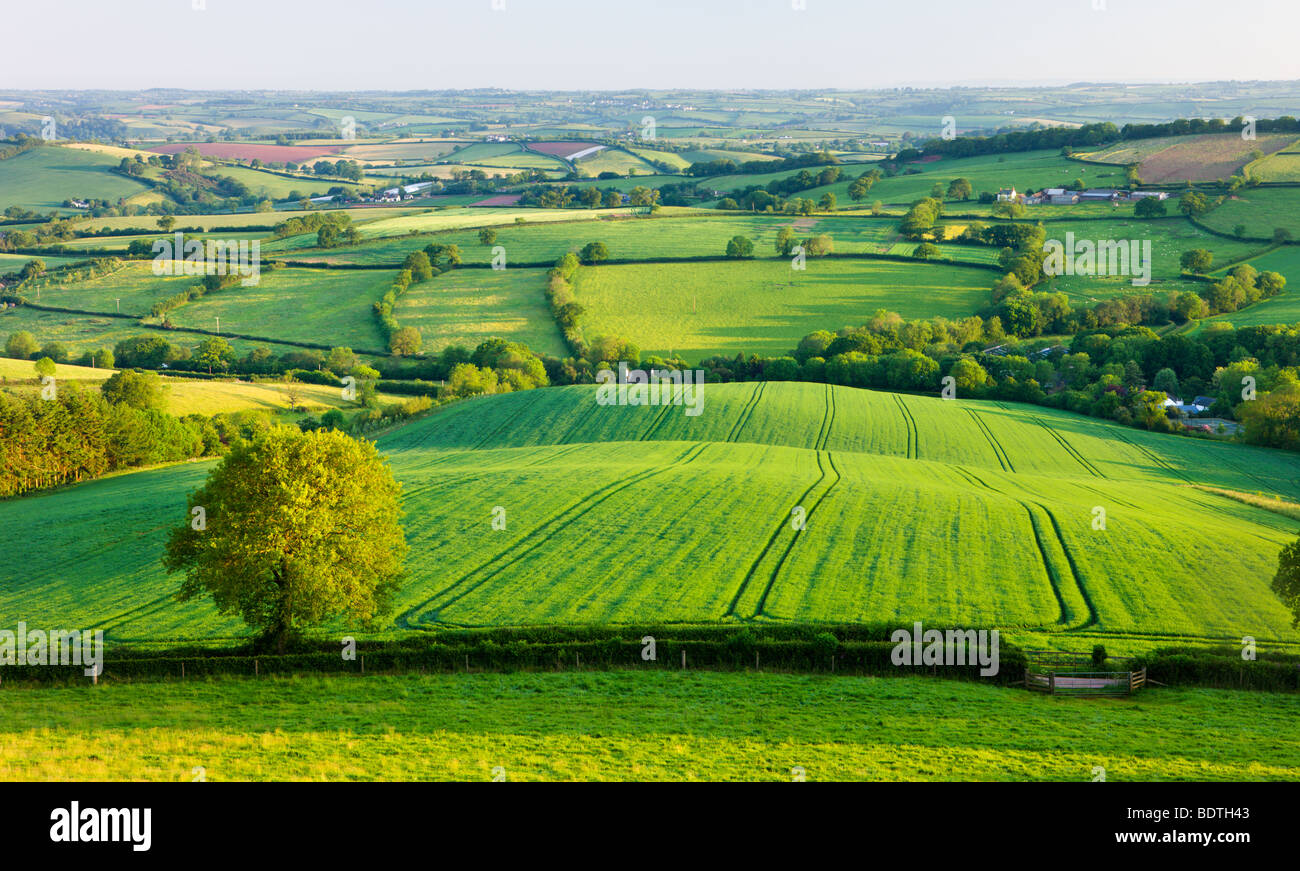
(1259, 211)
(626, 725)
(1208, 157)
(465, 307)
(303, 305)
(41, 179)
(702, 309)
(955, 511)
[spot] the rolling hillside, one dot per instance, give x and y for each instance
(915, 509)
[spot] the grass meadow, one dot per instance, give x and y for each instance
(625, 725)
(41, 179)
(91, 332)
(1259, 211)
(467, 306)
(764, 307)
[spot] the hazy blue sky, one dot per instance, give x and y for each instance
(606, 44)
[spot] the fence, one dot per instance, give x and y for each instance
(1086, 683)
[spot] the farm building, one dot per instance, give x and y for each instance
(1100, 195)
(1007, 195)
(1061, 197)
(1142, 195)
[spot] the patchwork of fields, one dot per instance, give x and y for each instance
(916, 509)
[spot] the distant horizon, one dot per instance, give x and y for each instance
(570, 45)
(913, 85)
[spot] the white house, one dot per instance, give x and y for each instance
(1007, 195)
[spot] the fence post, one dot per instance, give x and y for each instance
(1051, 682)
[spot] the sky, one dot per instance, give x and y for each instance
(611, 44)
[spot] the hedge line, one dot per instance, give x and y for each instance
(720, 648)
(842, 648)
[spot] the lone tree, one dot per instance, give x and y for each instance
(299, 528)
(593, 252)
(1196, 260)
(740, 247)
(1286, 583)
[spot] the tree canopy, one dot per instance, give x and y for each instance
(297, 529)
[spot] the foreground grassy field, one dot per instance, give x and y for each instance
(764, 307)
(916, 509)
(654, 725)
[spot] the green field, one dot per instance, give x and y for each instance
(962, 511)
(1031, 169)
(764, 307)
(303, 305)
(615, 160)
(149, 223)
(15, 262)
(187, 396)
(121, 243)
(91, 332)
(672, 158)
(277, 187)
(698, 235)
(1169, 239)
(1260, 211)
(1281, 309)
(637, 726)
(332, 307)
(1283, 166)
(466, 307)
(431, 221)
(44, 177)
(502, 154)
